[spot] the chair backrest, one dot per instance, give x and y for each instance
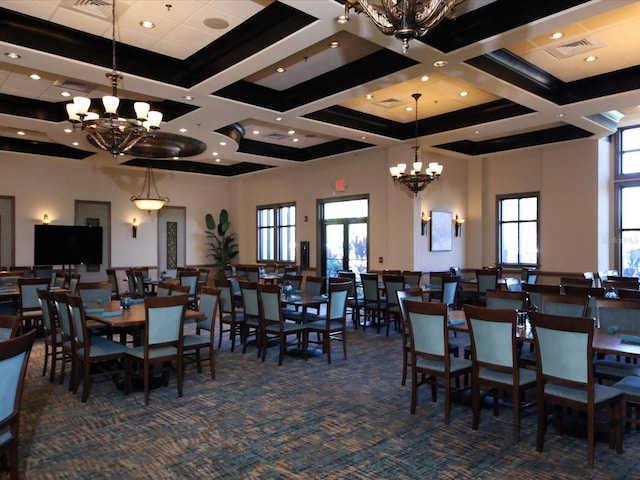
(29, 291)
(413, 294)
(9, 326)
(487, 279)
(112, 276)
(428, 336)
(590, 293)
(435, 278)
(253, 273)
(227, 305)
(351, 276)
(95, 292)
(59, 279)
(563, 305)
(626, 293)
(392, 283)
(450, 286)
(513, 284)
(203, 276)
(43, 271)
(532, 277)
(14, 356)
(370, 286)
(73, 284)
(621, 314)
(412, 278)
(139, 282)
(293, 270)
(78, 322)
(209, 299)
(337, 306)
(179, 289)
(294, 280)
(583, 282)
(564, 349)
(314, 285)
(631, 284)
(493, 333)
(269, 304)
(250, 299)
(590, 276)
(535, 290)
(62, 308)
(190, 278)
(131, 282)
(164, 289)
(48, 314)
(164, 320)
(505, 299)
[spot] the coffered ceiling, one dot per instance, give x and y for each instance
(211, 67)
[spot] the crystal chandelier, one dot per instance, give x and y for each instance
(146, 201)
(406, 19)
(109, 131)
(416, 180)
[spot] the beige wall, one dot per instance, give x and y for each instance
(573, 179)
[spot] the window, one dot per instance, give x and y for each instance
(277, 233)
(628, 189)
(518, 229)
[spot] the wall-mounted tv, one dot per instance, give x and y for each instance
(67, 245)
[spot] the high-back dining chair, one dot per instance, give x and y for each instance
(94, 292)
(273, 324)
(190, 278)
(494, 356)
(95, 356)
(193, 344)
(229, 314)
(589, 294)
(374, 303)
(14, 356)
(66, 333)
(564, 305)
(392, 283)
(450, 288)
(535, 290)
(430, 356)
(112, 276)
(412, 278)
(564, 347)
(251, 322)
(52, 337)
(413, 294)
(30, 312)
(163, 337)
(74, 280)
(59, 279)
(131, 283)
(332, 325)
(505, 299)
(355, 301)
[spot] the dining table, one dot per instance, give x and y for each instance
(304, 301)
(110, 313)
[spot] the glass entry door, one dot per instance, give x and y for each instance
(344, 236)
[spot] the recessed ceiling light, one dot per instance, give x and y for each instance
(296, 140)
(256, 132)
(12, 55)
(369, 96)
(281, 69)
(424, 78)
(21, 133)
(67, 130)
(560, 115)
(188, 98)
(217, 160)
(147, 24)
(439, 63)
(278, 119)
(363, 137)
(291, 132)
(222, 144)
(34, 76)
(183, 130)
(215, 154)
(341, 19)
(75, 144)
(175, 158)
(409, 109)
(590, 58)
(477, 132)
(334, 44)
(65, 94)
(463, 93)
(556, 35)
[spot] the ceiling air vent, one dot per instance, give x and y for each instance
(575, 47)
(276, 136)
(96, 8)
(73, 85)
(389, 103)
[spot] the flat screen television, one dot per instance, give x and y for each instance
(67, 245)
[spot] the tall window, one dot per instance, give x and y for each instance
(277, 233)
(628, 199)
(518, 229)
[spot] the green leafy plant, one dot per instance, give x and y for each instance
(221, 244)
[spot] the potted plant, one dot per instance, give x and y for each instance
(222, 244)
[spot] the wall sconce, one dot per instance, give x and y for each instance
(134, 228)
(424, 220)
(459, 221)
(45, 219)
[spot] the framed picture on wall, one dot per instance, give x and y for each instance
(441, 231)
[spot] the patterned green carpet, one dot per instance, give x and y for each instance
(304, 420)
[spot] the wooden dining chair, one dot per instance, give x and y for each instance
(14, 356)
(229, 314)
(331, 325)
(505, 299)
(193, 344)
(564, 305)
(413, 294)
(251, 324)
(430, 355)
(163, 343)
(564, 347)
(53, 351)
(9, 326)
(30, 312)
(374, 303)
(66, 333)
(392, 283)
(494, 356)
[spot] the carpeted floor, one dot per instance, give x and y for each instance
(304, 420)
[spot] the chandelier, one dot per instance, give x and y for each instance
(416, 180)
(109, 131)
(406, 19)
(146, 201)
